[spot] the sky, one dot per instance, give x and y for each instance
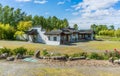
(81, 12)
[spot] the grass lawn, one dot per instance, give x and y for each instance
(108, 38)
(65, 49)
(37, 46)
(104, 45)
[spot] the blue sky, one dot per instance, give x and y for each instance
(82, 12)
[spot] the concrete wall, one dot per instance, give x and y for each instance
(23, 37)
(51, 40)
(53, 43)
(52, 37)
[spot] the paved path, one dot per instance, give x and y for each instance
(88, 68)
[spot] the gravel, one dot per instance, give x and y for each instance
(87, 67)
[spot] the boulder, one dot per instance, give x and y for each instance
(77, 58)
(59, 58)
(117, 61)
(10, 58)
(4, 55)
(37, 54)
(19, 56)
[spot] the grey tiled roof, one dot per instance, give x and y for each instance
(32, 32)
(54, 32)
(85, 31)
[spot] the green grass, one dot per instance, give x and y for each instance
(64, 49)
(107, 38)
(82, 71)
(37, 46)
(104, 45)
(56, 72)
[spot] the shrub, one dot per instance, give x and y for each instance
(66, 55)
(55, 54)
(45, 53)
(5, 50)
(114, 53)
(20, 50)
(79, 54)
(30, 52)
(97, 56)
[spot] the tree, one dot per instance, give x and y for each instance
(24, 25)
(75, 26)
(98, 28)
(28, 18)
(65, 23)
(117, 33)
(112, 27)
(6, 31)
(20, 21)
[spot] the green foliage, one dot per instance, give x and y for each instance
(75, 26)
(66, 55)
(117, 33)
(110, 33)
(11, 16)
(44, 52)
(19, 33)
(5, 50)
(6, 31)
(24, 25)
(97, 28)
(111, 27)
(79, 54)
(31, 53)
(20, 50)
(55, 23)
(96, 56)
(15, 20)
(103, 30)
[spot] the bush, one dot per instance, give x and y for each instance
(96, 56)
(20, 50)
(30, 52)
(45, 53)
(5, 50)
(66, 55)
(79, 54)
(114, 53)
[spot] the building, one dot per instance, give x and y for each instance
(57, 37)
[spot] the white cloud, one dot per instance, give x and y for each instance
(75, 13)
(63, 2)
(23, 0)
(40, 1)
(84, 23)
(96, 11)
(69, 9)
(60, 3)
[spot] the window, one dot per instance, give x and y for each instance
(55, 38)
(89, 36)
(48, 37)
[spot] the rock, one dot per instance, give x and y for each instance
(18, 56)
(87, 58)
(4, 55)
(78, 58)
(37, 54)
(59, 58)
(117, 61)
(10, 58)
(82, 57)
